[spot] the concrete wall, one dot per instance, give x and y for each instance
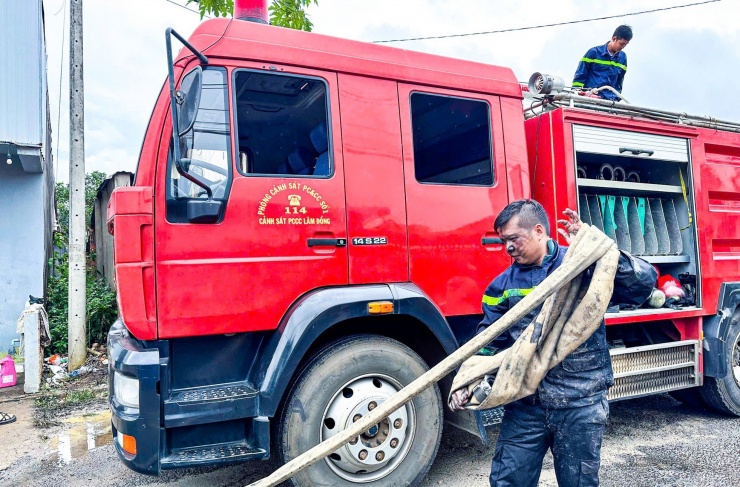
(24, 237)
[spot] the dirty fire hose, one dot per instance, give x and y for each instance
(567, 319)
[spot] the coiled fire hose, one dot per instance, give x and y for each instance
(570, 315)
(606, 172)
(619, 173)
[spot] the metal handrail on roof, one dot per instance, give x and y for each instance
(571, 98)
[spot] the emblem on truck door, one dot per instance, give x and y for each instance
(302, 206)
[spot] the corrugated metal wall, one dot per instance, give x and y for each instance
(22, 73)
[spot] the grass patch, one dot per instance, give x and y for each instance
(79, 397)
(50, 405)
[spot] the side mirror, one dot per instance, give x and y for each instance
(204, 211)
(188, 100)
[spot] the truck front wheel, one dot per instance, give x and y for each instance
(345, 381)
(724, 394)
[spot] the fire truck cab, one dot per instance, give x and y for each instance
(318, 233)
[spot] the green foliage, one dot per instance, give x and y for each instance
(291, 14)
(102, 308)
(57, 306)
(285, 13)
(93, 180)
(79, 397)
(218, 8)
(62, 198)
(49, 405)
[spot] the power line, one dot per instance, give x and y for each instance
(60, 9)
(514, 29)
(186, 8)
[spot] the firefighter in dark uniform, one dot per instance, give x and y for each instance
(605, 65)
(568, 412)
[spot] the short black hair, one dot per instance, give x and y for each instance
(530, 213)
(623, 32)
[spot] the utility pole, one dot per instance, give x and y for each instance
(77, 346)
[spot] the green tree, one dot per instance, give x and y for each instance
(291, 14)
(101, 300)
(93, 180)
(285, 13)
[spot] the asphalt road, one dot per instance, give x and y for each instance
(654, 441)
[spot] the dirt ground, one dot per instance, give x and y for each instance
(19, 438)
(41, 417)
(652, 441)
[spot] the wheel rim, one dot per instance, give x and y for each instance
(736, 360)
(379, 450)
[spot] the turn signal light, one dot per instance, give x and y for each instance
(128, 443)
(380, 307)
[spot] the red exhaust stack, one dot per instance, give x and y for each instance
(251, 10)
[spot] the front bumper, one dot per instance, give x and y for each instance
(128, 356)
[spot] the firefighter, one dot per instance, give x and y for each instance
(568, 412)
(605, 65)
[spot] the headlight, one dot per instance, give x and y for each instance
(126, 390)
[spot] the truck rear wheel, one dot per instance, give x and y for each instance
(345, 381)
(724, 394)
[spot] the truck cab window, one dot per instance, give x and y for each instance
(282, 124)
(205, 148)
(452, 140)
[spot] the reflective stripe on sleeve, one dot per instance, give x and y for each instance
(601, 61)
(577, 83)
(509, 293)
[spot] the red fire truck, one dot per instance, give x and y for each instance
(310, 229)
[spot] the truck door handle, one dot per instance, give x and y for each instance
(636, 152)
(327, 242)
(491, 241)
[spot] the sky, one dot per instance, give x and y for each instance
(683, 60)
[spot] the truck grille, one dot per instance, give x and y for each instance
(641, 371)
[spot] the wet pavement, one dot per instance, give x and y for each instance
(81, 434)
(653, 441)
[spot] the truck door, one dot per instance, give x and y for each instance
(455, 180)
(280, 177)
(376, 216)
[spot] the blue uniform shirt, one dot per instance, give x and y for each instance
(599, 68)
(584, 376)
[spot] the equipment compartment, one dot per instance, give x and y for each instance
(644, 202)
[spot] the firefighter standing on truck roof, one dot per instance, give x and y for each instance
(568, 412)
(605, 65)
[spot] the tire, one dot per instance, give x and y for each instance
(724, 394)
(340, 382)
